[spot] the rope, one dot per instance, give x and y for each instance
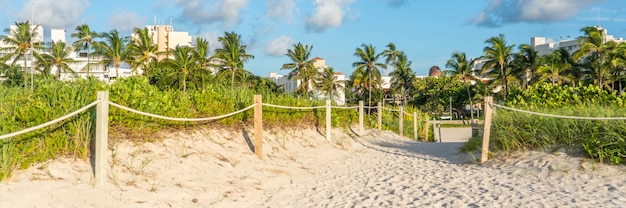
(49, 122)
(342, 107)
(290, 107)
(180, 119)
(370, 107)
(559, 116)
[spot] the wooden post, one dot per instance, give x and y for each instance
(426, 127)
(415, 125)
(487, 130)
(379, 110)
(361, 118)
(258, 126)
(102, 137)
(434, 130)
(328, 121)
(401, 123)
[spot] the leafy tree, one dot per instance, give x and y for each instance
(232, 55)
(114, 49)
(19, 42)
(524, 64)
(327, 82)
(369, 67)
(301, 67)
(142, 50)
(497, 56)
(391, 55)
(593, 46)
(85, 40)
(556, 67)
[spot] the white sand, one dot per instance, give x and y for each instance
(215, 168)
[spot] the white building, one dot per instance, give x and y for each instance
(290, 85)
(545, 46)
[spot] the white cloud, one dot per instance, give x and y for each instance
(212, 38)
(501, 12)
(278, 9)
(54, 14)
(224, 12)
(278, 46)
(126, 21)
(328, 13)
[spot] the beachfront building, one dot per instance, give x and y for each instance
(290, 85)
(545, 46)
(166, 38)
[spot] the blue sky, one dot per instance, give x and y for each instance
(427, 31)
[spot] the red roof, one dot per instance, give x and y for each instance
(318, 58)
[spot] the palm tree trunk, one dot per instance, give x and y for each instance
(24, 70)
(88, 60)
(469, 95)
(504, 81)
(232, 78)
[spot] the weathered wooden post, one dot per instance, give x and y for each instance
(102, 137)
(487, 130)
(379, 111)
(258, 126)
(434, 130)
(401, 123)
(361, 118)
(415, 125)
(328, 126)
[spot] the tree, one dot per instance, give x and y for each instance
(114, 49)
(461, 69)
(369, 66)
(497, 57)
(594, 47)
(232, 55)
(201, 55)
(525, 64)
(85, 39)
(142, 50)
(402, 77)
(182, 64)
(327, 82)
(20, 42)
(59, 58)
(556, 67)
(301, 67)
(391, 55)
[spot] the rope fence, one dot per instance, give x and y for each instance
(102, 115)
(558, 116)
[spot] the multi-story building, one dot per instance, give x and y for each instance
(166, 38)
(545, 46)
(290, 85)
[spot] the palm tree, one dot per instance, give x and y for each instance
(327, 82)
(59, 57)
(556, 67)
(594, 46)
(201, 55)
(114, 49)
(182, 64)
(85, 39)
(391, 55)
(301, 67)
(369, 66)
(232, 55)
(525, 64)
(402, 77)
(20, 42)
(497, 57)
(142, 49)
(461, 68)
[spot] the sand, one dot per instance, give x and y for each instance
(216, 168)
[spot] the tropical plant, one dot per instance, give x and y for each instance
(556, 67)
(327, 82)
(59, 58)
(461, 69)
(524, 64)
(232, 55)
(301, 67)
(391, 55)
(84, 42)
(593, 48)
(497, 56)
(201, 55)
(19, 42)
(142, 50)
(369, 67)
(182, 64)
(402, 77)
(114, 50)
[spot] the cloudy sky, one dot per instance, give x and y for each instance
(427, 31)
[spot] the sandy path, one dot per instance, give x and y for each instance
(397, 173)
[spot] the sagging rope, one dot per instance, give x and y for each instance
(180, 119)
(557, 116)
